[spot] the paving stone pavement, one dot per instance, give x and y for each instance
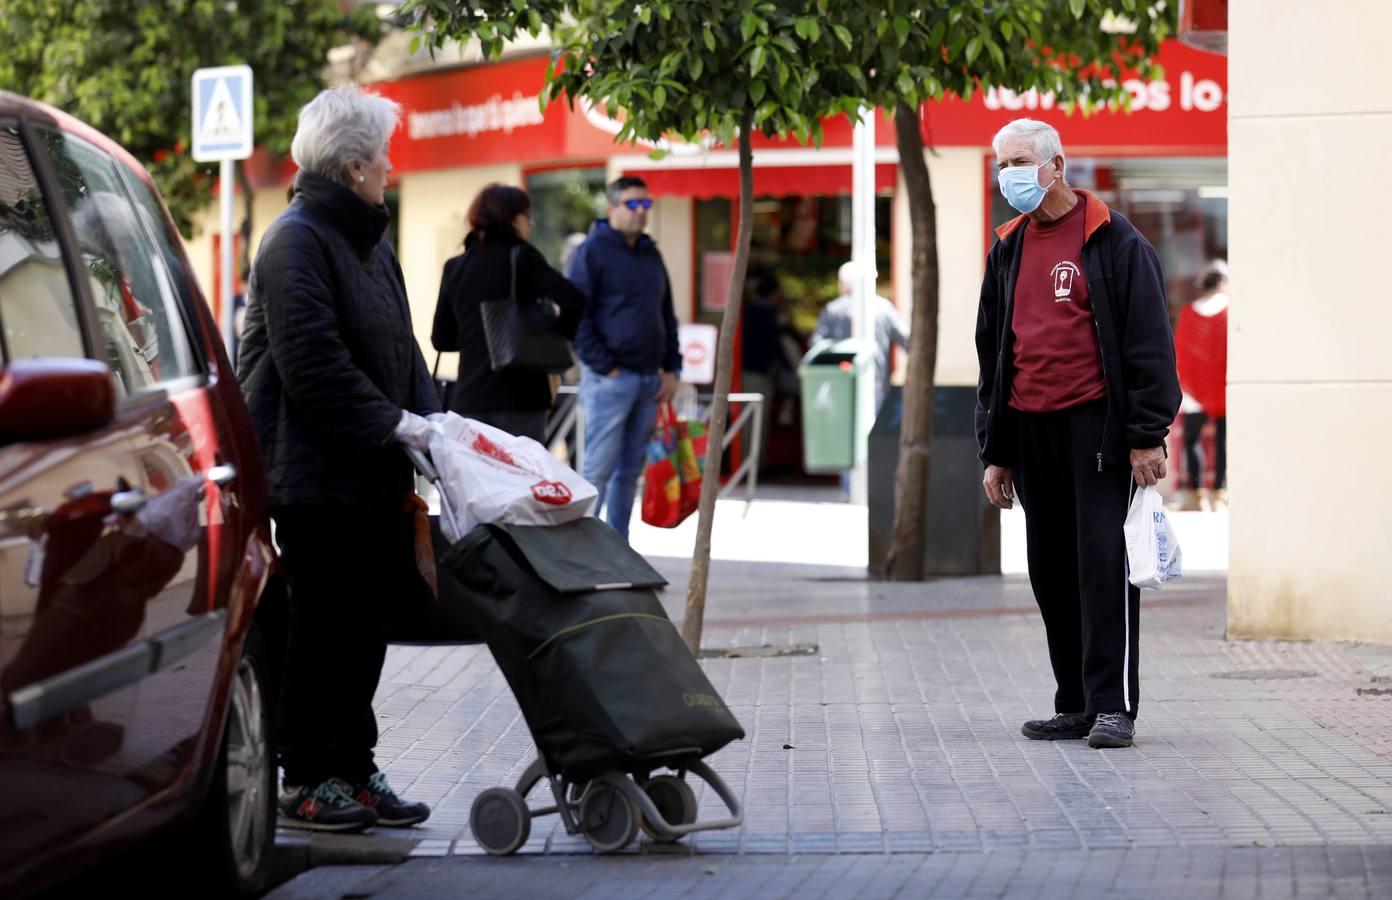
(897, 747)
(1353, 872)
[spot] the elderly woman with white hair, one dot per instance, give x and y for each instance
(334, 381)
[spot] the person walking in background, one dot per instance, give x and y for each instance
(766, 366)
(1201, 348)
(1076, 395)
(496, 257)
(627, 343)
(887, 326)
(334, 379)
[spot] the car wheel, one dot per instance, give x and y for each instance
(234, 834)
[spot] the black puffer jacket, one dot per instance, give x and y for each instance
(328, 360)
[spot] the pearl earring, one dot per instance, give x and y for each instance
(361, 179)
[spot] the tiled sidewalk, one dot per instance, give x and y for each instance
(904, 729)
(1356, 873)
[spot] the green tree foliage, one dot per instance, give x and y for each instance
(125, 67)
(715, 69)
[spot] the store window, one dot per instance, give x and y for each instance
(565, 202)
(1179, 203)
(800, 240)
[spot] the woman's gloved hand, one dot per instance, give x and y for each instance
(413, 431)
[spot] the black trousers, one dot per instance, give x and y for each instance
(1193, 450)
(524, 423)
(1077, 559)
(344, 568)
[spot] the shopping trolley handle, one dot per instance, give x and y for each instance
(422, 462)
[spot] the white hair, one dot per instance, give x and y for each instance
(1041, 134)
(848, 274)
(342, 125)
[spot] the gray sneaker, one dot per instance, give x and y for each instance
(1112, 729)
(1062, 727)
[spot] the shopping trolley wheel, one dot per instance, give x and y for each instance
(500, 821)
(673, 798)
(608, 819)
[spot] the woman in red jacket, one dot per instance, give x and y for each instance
(1201, 350)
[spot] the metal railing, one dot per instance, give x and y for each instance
(567, 426)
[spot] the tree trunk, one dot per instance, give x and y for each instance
(720, 407)
(905, 560)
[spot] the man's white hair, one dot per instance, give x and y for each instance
(341, 125)
(1041, 134)
(847, 275)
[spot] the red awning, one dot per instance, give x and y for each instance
(769, 181)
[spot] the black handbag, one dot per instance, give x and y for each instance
(524, 336)
(444, 387)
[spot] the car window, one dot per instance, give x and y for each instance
(38, 313)
(140, 331)
(171, 255)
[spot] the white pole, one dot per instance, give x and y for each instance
(863, 255)
(228, 313)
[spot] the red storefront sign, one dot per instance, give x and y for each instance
(488, 114)
(474, 117)
(1185, 112)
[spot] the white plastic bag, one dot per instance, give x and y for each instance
(1152, 549)
(489, 475)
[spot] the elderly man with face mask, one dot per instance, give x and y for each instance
(1076, 395)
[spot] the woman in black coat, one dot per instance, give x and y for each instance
(499, 220)
(335, 381)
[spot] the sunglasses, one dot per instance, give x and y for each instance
(635, 205)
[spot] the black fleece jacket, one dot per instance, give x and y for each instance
(484, 272)
(328, 358)
(1133, 331)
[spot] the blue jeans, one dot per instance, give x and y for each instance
(620, 412)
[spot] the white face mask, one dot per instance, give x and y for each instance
(1021, 188)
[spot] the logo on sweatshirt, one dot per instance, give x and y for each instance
(1064, 274)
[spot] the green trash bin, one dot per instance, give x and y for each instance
(838, 399)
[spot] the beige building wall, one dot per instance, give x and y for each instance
(266, 205)
(1309, 372)
(670, 226)
(432, 227)
(957, 175)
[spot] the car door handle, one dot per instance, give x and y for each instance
(128, 502)
(222, 475)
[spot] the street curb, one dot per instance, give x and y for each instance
(298, 852)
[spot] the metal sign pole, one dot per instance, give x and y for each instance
(222, 133)
(863, 253)
(228, 323)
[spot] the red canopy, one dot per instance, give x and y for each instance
(769, 181)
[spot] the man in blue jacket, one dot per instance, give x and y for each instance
(1077, 392)
(627, 344)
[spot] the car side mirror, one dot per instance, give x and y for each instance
(45, 398)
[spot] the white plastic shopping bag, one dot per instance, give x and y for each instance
(489, 476)
(1152, 549)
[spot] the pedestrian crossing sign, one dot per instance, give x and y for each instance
(222, 113)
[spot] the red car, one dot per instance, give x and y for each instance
(135, 548)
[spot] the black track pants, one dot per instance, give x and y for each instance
(1077, 558)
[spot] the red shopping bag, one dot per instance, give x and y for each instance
(672, 479)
